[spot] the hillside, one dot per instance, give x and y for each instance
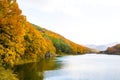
(61, 44)
(19, 40)
(101, 47)
(113, 50)
(22, 41)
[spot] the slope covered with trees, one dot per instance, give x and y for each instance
(61, 44)
(18, 38)
(113, 50)
(21, 40)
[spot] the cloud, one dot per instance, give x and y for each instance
(86, 21)
(74, 7)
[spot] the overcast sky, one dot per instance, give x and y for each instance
(82, 21)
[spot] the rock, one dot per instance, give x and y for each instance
(49, 54)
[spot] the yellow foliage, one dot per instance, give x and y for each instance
(76, 48)
(20, 40)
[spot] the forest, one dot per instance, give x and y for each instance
(22, 41)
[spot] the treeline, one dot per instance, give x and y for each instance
(61, 44)
(21, 40)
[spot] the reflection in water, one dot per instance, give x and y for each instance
(35, 71)
(82, 67)
(87, 67)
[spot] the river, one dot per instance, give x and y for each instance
(73, 67)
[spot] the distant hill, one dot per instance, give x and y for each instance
(101, 47)
(113, 50)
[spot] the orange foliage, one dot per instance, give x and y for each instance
(18, 38)
(76, 48)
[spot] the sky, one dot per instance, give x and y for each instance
(82, 21)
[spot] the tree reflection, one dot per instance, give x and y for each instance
(35, 71)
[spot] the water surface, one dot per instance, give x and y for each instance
(79, 67)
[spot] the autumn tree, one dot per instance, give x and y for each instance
(21, 40)
(62, 44)
(12, 25)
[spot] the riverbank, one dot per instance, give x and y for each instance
(77, 67)
(8, 74)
